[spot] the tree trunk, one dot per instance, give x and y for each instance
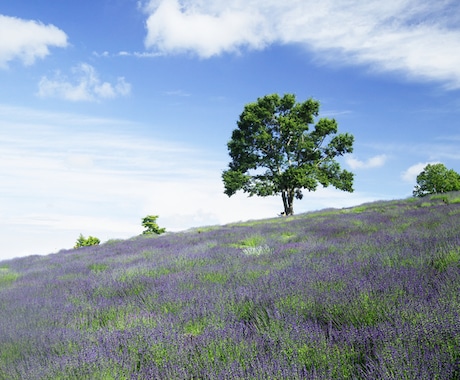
(288, 202)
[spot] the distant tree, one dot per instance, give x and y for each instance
(85, 242)
(435, 179)
(151, 226)
(274, 152)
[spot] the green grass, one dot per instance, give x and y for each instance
(214, 277)
(195, 327)
(446, 259)
(251, 241)
(7, 277)
(96, 268)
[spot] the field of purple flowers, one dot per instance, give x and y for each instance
(371, 292)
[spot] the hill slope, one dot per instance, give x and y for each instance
(368, 292)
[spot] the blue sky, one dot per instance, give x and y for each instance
(111, 110)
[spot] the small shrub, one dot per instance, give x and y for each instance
(85, 242)
(151, 226)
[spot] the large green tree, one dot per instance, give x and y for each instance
(277, 149)
(436, 178)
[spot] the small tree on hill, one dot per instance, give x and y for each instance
(86, 242)
(275, 151)
(151, 226)
(436, 179)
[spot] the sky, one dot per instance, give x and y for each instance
(112, 110)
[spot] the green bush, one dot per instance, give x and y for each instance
(151, 226)
(85, 242)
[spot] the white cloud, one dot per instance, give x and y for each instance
(86, 86)
(419, 38)
(373, 162)
(204, 28)
(27, 40)
(410, 175)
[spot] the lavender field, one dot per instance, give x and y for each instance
(370, 292)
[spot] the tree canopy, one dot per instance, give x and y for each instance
(435, 179)
(276, 149)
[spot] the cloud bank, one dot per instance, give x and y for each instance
(27, 40)
(418, 38)
(86, 86)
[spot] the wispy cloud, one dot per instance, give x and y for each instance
(84, 86)
(419, 38)
(27, 40)
(180, 93)
(373, 162)
(124, 53)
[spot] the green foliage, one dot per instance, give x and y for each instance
(86, 242)
(228, 351)
(359, 209)
(214, 277)
(274, 152)
(436, 179)
(96, 268)
(253, 246)
(151, 226)
(195, 327)
(251, 241)
(449, 198)
(7, 277)
(445, 259)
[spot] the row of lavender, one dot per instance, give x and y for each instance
(364, 293)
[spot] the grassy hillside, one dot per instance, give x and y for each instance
(370, 292)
